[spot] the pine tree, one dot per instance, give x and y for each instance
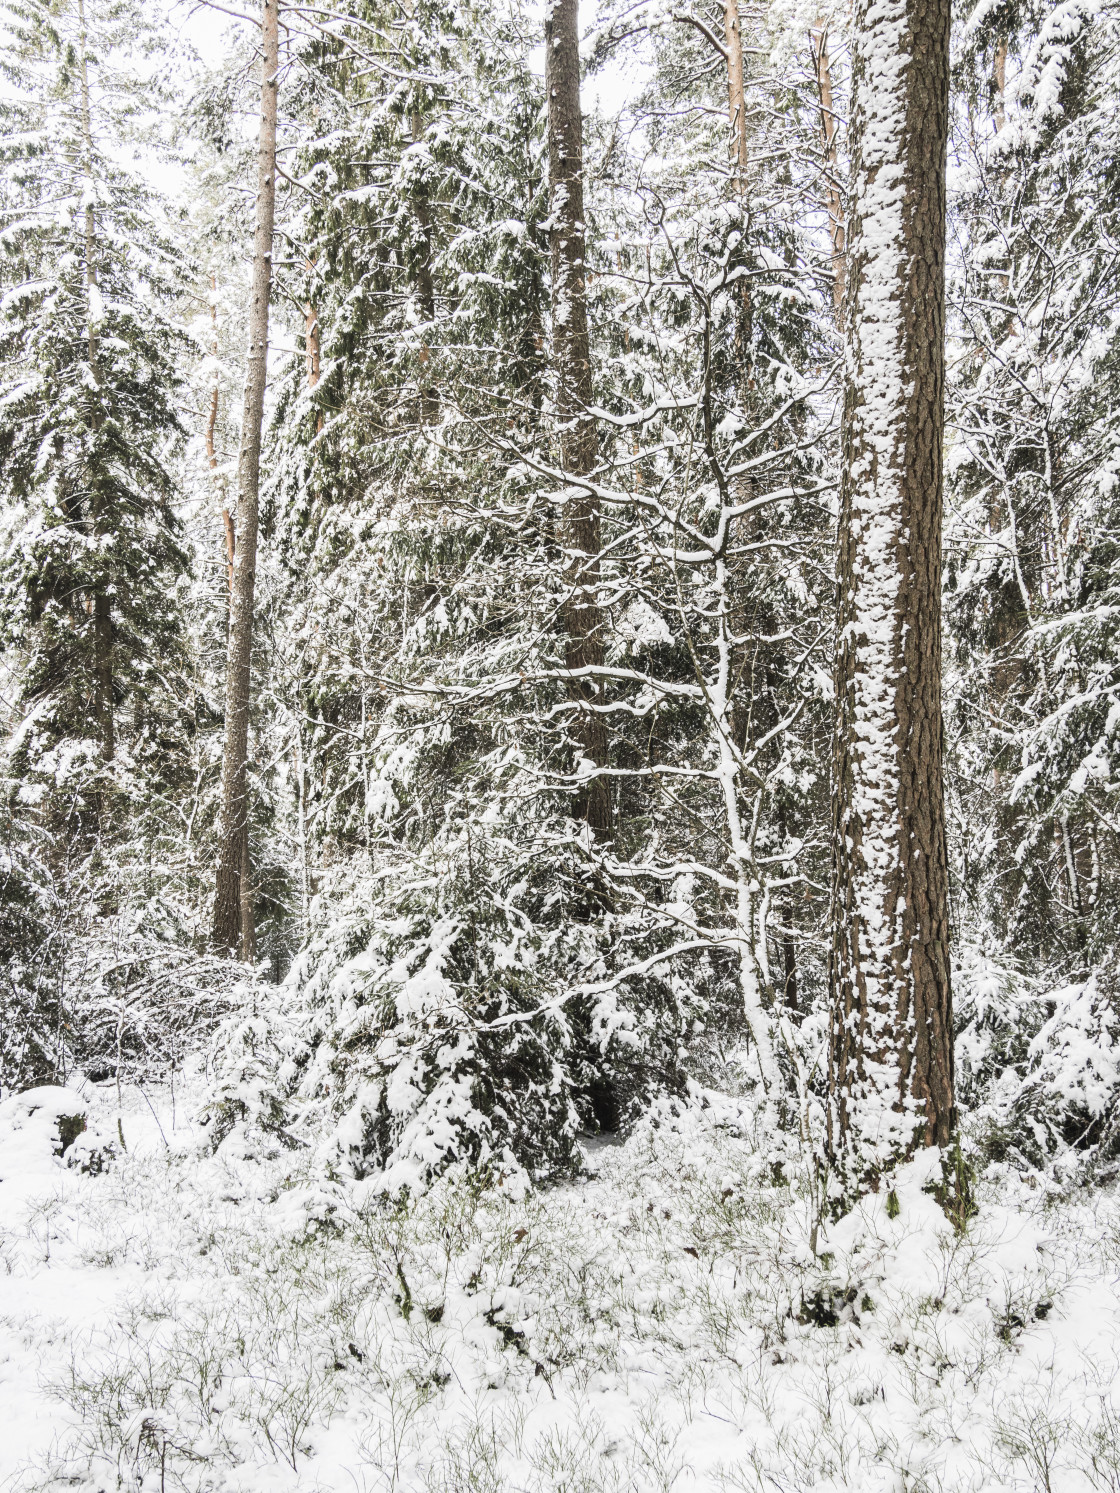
(233, 911)
(891, 1071)
(572, 368)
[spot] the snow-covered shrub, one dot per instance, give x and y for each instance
(38, 1125)
(1071, 1089)
(1039, 1066)
(255, 1059)
(32, 1037)
(457, 1007)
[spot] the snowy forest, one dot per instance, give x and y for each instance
(560, 626)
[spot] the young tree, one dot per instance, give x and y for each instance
(233, 927)
(88, 381)
(891, 1070)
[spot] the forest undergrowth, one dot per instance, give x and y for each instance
(559, 746)
(201, 1320)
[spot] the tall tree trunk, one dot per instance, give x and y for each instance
(102, 606)
(736, 90)
(571, 351)
(833, 201)
(248, 932)
(891, 1068)
(744, 310)
(245, 892)
(229, 929)
(425, 288)
(211, 428)
(999, 83)
(311, 350)
(103, 654)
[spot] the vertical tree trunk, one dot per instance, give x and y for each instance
(248, 932)
(228, 928)
(211, 427)
(744, 311)
(312, 347)
(736, 90)
(311, 329)
(102, 606)
(833, 201)
(103, 653)
(999, 83)
(245, 892)
(425, 289)
(891, 1068)
(571, 353)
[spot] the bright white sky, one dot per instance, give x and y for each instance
(206, 30)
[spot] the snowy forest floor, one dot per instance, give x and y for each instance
(230, 1322)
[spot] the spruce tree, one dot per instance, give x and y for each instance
(88, 419)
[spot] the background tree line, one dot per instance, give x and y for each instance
(451, 694)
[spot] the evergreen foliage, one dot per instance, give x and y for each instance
(452, 968)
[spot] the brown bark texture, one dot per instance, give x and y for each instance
(571, 351)
(228, 929)
(891, 1059)
(736, 91)
(311, 328)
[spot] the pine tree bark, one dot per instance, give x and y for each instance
(230, 930)
(736, 90)
(311, 344)
(571, 352)
(891, 1064)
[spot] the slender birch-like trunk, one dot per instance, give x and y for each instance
(736, 90)
(891, 1068)
(232, 927)
(571, 351)
(833, 201)
(751, 900)
(312, 346)
(999, 83)
(211, 429)
(102, 606)
(425, 289)
(311, 340)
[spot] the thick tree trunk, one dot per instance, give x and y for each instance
(891, 1069)
(571, 351)
(229, 931)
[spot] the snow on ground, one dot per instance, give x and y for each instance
(234, 1322)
